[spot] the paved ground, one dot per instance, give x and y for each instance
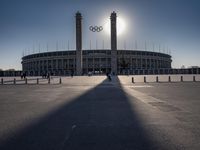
(92, 113)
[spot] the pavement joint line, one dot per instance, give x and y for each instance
(67, 137)
(139, 86)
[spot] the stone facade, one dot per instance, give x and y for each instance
(96, 61)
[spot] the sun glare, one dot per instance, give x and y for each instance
(121, 26)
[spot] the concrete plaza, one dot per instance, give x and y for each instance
(92, 113)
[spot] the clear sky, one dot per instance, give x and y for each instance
(26, 25)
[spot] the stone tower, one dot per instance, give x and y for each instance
(113, 19)
(78, 43)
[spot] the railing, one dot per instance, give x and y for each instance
(157, 79)
(31, 81)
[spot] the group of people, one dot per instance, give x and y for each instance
(23, 75)
(46, 75)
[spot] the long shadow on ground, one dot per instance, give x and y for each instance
(101, 119)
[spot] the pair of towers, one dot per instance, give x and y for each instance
(113, 19)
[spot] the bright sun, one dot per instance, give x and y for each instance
(121, 26)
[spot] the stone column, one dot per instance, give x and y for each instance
(93, 63)
(113, 19)
(52, 66)
(87, 65)
(78, 43)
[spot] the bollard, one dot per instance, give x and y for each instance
(37, 81)
(145, 79)
(14, 82)
(49, 81)
(157, 80)
(194, 79)
(26, 81)
(2, 81)
(169, 79)
(181, 78)
(132, 79)
(60, 81)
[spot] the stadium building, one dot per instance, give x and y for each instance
(102, 61)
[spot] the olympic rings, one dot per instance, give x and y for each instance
(96, 28)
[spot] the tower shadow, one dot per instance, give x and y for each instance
(100, 119)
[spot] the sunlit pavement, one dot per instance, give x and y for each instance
(93, 113)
